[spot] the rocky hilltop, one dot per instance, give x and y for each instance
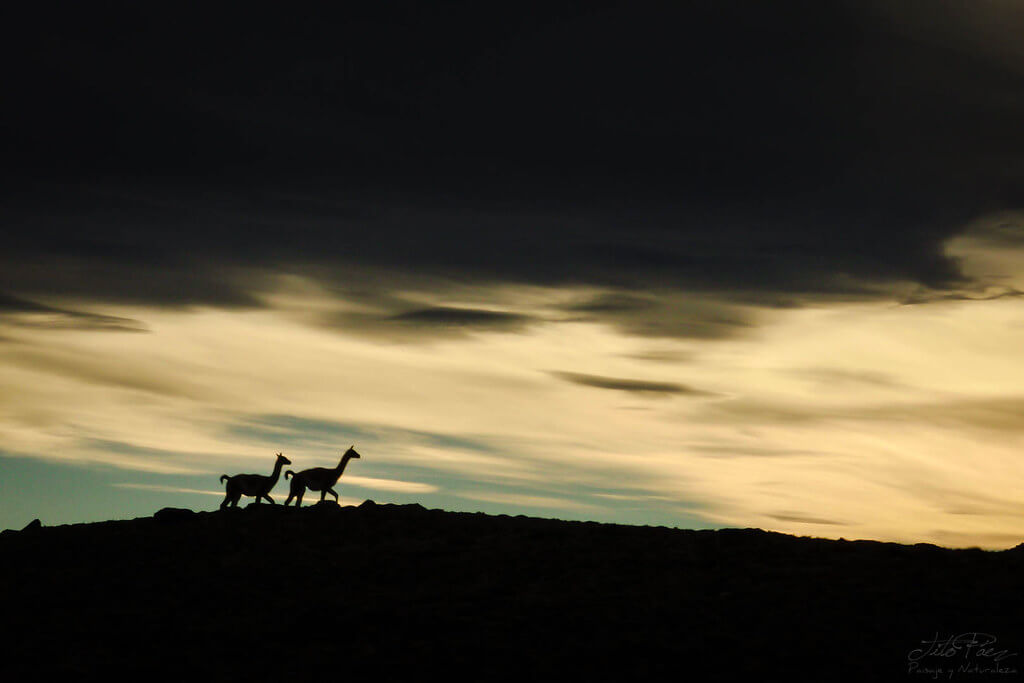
(399, 592)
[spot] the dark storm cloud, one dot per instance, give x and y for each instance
(1003, 229)
(766, 152)
(187, 282)
(630, 385)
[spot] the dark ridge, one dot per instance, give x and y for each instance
(398, 592)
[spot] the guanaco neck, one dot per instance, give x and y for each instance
(277, 472)
(341, 465)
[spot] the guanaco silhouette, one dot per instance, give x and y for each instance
(258, 485)
(320, 479)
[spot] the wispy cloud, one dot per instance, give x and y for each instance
(804, 519)
(473, 318)
(390, 484)
(167, 489)
(528, 500)
(924, 296)
(26, 313)
(629, 385)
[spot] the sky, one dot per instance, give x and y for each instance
(691, 264)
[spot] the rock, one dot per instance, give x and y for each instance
(405, 511)
(33, 525)
(173, 514)
(324, 506)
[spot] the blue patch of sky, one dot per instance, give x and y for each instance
(58, 492)
(67, 493)
(62, 493)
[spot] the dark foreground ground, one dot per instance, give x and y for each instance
(388, 592)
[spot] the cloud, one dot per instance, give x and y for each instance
(110, 278)
(399, 316)
(472, 318)
(1003, 414)
(836, 168)
(921, 296)
(100, 371)
(528, 500)
(839, 377)
(427, 324)
(25, 313)
(974, 539)
(334, 434)
(664, 314)
(167, 489)
(735, 450)
(629, 385)
(663, 356)
(613, 302)
(803, 519)
(390, 484)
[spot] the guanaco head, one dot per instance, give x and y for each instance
(351, 452)
(283, 460)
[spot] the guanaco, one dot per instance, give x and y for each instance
(258, 485)
(319, 479)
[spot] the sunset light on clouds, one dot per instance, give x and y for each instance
(806, 319)
(880, 420)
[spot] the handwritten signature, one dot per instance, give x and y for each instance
(971, 653)
(966, 645)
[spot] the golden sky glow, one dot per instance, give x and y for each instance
(862, 420)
